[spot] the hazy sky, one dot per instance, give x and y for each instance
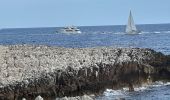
(53, 13)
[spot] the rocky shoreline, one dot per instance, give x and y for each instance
(27, 71)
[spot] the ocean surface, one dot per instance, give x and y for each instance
(154, 36)
(155, 91)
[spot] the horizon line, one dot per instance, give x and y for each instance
(79, 26)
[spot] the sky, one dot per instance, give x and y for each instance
(56, 13)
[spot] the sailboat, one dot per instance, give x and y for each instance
(131, 27)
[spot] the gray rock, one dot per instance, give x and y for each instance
(23, 99)
(84, 97)
(21, 62)
(56, 71)
(39, 98)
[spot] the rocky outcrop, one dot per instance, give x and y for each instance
(27, 71)
(84, 97)
(39, 98)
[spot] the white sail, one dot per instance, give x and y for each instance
(131, 28)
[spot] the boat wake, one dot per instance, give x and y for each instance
(166, 32)
(123, 33)
(158, 32)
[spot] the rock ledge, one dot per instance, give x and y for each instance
(28, 70)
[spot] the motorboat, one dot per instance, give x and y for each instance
(70, 30)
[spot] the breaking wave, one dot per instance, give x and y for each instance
(124, 92)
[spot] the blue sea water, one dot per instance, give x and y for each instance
(155, 91)
(154, 36)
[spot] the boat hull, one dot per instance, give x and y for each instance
(133, 32)
(70, 32)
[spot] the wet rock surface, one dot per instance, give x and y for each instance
(27, 71)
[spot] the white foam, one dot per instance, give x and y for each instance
(148, 86)
(141, 88)
(167, 83)
(109, 92)
(157, 84)
(143, 32)
(119, 33)
(125, 91)
(156, 32)
(166, 31)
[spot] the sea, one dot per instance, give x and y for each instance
(154, 36)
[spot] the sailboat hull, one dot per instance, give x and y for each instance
(133, 32)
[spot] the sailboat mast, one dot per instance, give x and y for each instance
(130, 19)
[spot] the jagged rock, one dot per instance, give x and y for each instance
(64, 98)
(29, 70)
(39, 98)
(84, 97)
(23, 99)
